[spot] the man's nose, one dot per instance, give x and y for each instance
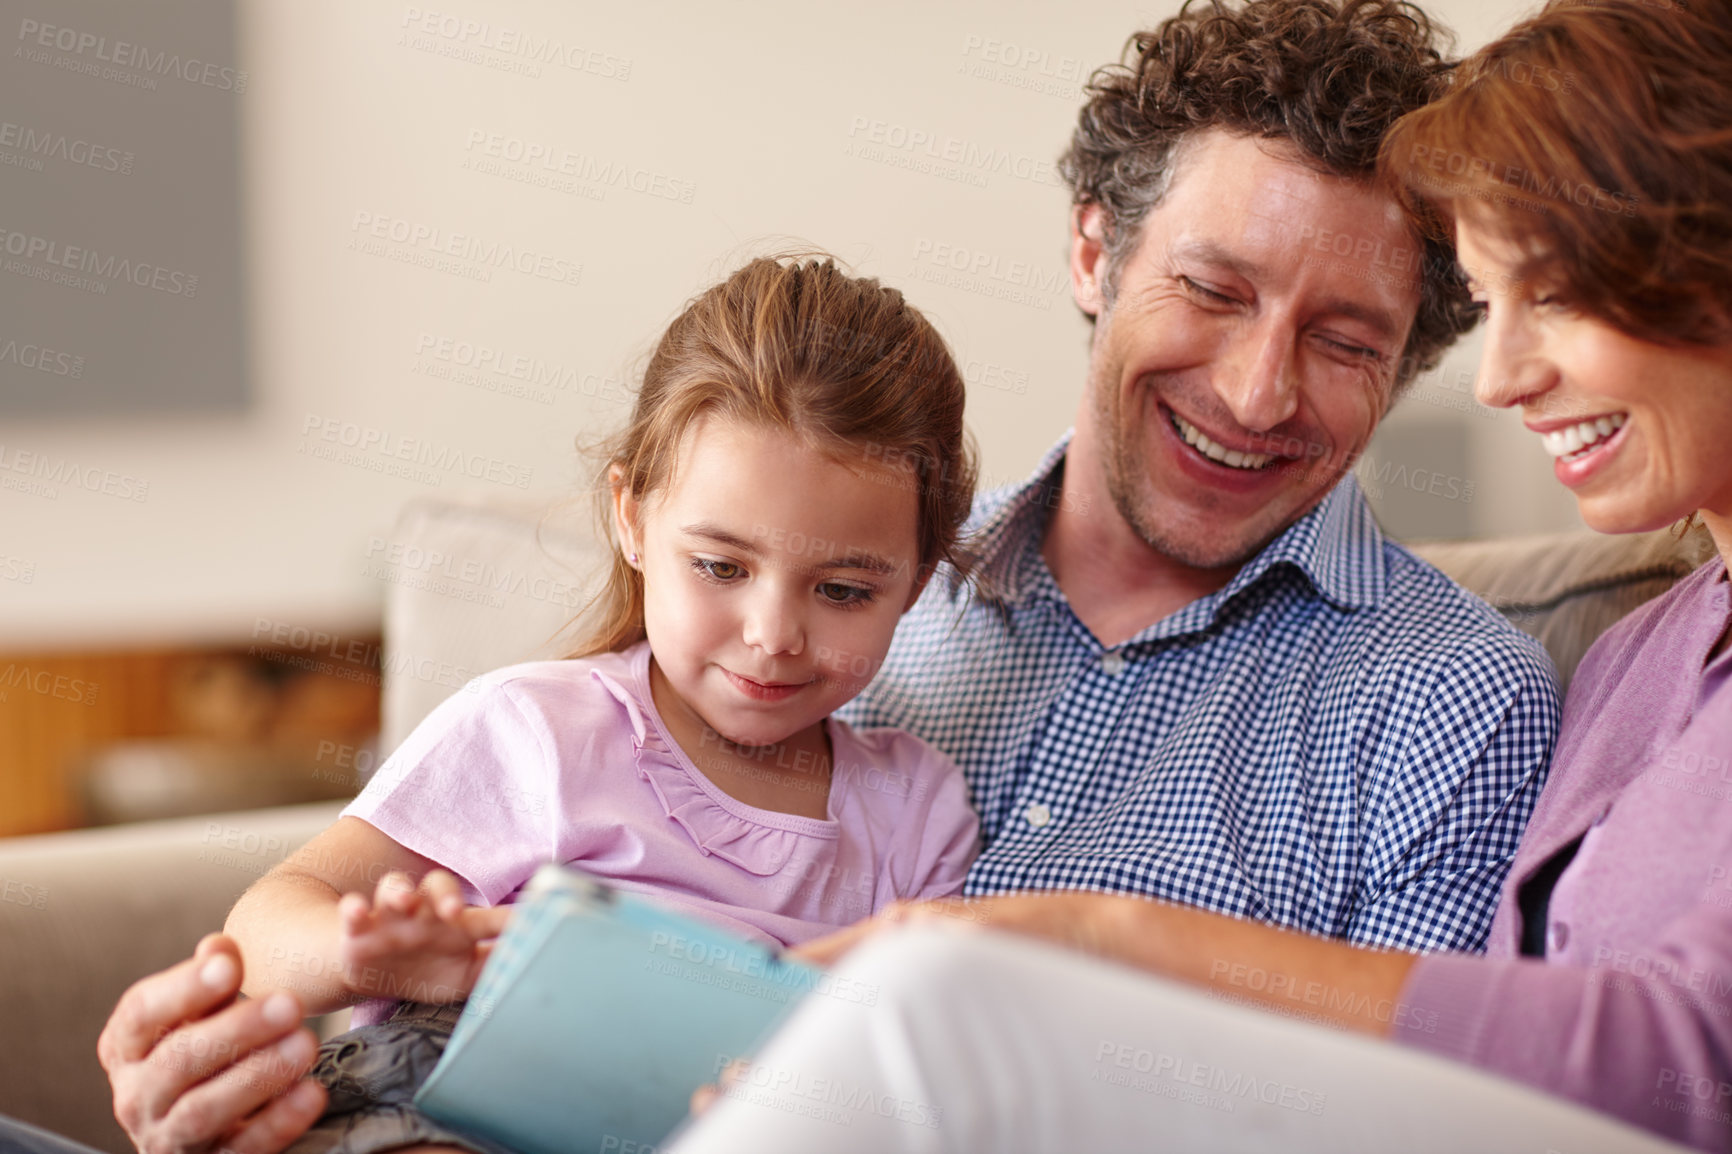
(1257, 379)
(773, 624)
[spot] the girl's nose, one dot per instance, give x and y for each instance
(774, 626)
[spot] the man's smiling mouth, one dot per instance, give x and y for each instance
(1232, 458)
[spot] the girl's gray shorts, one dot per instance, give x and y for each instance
(372, 1074)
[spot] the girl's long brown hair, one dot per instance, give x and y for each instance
(793, 343)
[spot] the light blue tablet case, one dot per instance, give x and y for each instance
(596, 1017)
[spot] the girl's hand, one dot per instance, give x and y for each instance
(417, 943)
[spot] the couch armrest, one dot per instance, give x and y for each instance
(85, 914)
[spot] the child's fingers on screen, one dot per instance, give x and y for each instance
(703, 1098)
(482, 922)
(443, 891)
(396, 892)
(354, 911)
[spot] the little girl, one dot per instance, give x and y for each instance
(794, 468)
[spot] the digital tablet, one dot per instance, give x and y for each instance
(597, 1015)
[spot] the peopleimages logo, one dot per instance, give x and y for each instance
(44, 360)
(971, 157)
(348, 442)
(524, 46)
(483, 254)
(90, 262)
(71, 473)
(35, 34)
(59, 146)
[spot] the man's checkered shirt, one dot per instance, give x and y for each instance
(1341, 740)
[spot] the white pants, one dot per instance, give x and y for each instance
(979, 1041)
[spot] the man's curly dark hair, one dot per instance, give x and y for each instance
(1330, 77)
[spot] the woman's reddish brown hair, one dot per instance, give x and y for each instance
(1596, 137)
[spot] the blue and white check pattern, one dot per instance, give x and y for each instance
(1342, 740)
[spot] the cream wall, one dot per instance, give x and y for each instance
(743, 126)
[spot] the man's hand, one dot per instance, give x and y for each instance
(424, 937)
(194, 1071)
(1066, 918)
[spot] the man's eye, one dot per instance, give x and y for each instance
(839, 594)
(1349, 349)
(1207, 294)
(717, 570)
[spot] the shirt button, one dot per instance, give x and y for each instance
(1037, 815)
(1559, 937)
(1112, 664)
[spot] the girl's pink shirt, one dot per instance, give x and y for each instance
(568, 761)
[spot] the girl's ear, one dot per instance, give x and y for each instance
(921, 576)
(625, 513)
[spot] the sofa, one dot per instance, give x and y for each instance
(473, 583)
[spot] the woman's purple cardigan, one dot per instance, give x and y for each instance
(1631, 1010)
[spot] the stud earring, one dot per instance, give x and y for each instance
(632, 560)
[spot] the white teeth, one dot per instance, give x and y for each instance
(1582, 436)
(1232, 458)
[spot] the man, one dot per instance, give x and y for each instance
(1197, 671)
(1193, 669)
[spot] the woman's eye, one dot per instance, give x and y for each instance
(717, 570)
(1553, 301)
(838, 594)
(1208, 294)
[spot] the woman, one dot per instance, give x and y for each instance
(1584, 162)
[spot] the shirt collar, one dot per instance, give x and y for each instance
(1337, 545)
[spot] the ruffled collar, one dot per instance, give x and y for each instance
(759, 841)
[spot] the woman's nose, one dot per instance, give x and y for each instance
(1511, 368)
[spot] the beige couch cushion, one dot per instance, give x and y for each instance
(476, 582)
(1567, 588)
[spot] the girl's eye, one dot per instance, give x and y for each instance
(838, 594)
(717, 570)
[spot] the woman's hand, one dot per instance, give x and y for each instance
(418, 943)
(193, 1070)
(1068, 918)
